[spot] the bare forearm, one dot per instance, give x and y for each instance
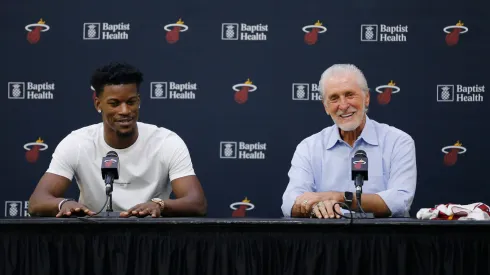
(372, 203)
(186, 206)
(44, 205)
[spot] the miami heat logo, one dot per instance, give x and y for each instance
(242, 90)
(34, 35)
(453, 32)
(359, 163)
(243, 206)
(33, 149)
(385, 92)
(108, 162)
(311, 37)
(452, 155)
(173, 34)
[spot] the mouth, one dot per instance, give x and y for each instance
(124, 122)
(345, 116)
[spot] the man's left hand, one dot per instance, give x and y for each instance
(305, 202)
(142, 210)
(325, 209)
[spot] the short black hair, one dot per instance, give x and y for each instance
(115, 73)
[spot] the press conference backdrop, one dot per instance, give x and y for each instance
(237, 80)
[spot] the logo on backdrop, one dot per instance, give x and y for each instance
(244, 32)
(174, 30)
(106, 31)
(34, 31)
(453, 32)
(385, 92)
(383, 33)
(242, 150)
(312, 31)
(451, 153)
(33, 149)
(14, 209)
(242, 90)
(460, 93)
(240, 208)
(306, 91)
(173, 90)
(30, 90)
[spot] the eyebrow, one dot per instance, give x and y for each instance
(343, 92)
(112, 98)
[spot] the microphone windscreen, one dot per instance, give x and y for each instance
(361, 153)
(112, 154)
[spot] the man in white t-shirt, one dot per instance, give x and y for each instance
(154, 161)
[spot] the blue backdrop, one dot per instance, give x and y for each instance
(237, 80)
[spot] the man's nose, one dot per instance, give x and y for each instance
(124, 109)
(343, 105)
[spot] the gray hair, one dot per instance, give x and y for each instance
(342, 69)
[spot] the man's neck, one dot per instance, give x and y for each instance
(351, 136)
(120, 142)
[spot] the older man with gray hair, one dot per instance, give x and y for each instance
(319, 177)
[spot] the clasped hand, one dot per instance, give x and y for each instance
(319, 205)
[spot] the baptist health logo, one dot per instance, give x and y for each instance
(383, 33)
(172, 90)
(14, 209)
(306, 91)
(242, 150)
(106, 31)
(245, 32)
(30, 90)
(460, 93)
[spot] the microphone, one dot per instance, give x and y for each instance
(110, 172)
(359, 172)
(110, 167)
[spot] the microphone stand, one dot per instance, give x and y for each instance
(109, 181)
(359, 181)
(108, 191)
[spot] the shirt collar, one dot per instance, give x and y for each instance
(369, 132)
(334, 137)
(368, 135)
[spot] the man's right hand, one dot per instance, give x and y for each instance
(71, 208)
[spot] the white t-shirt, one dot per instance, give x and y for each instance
(145, 168)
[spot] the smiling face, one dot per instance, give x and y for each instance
(120, 108)
(345, 101)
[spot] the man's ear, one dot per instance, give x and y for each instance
(366, 101)
(325, 107)
(97, 104)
